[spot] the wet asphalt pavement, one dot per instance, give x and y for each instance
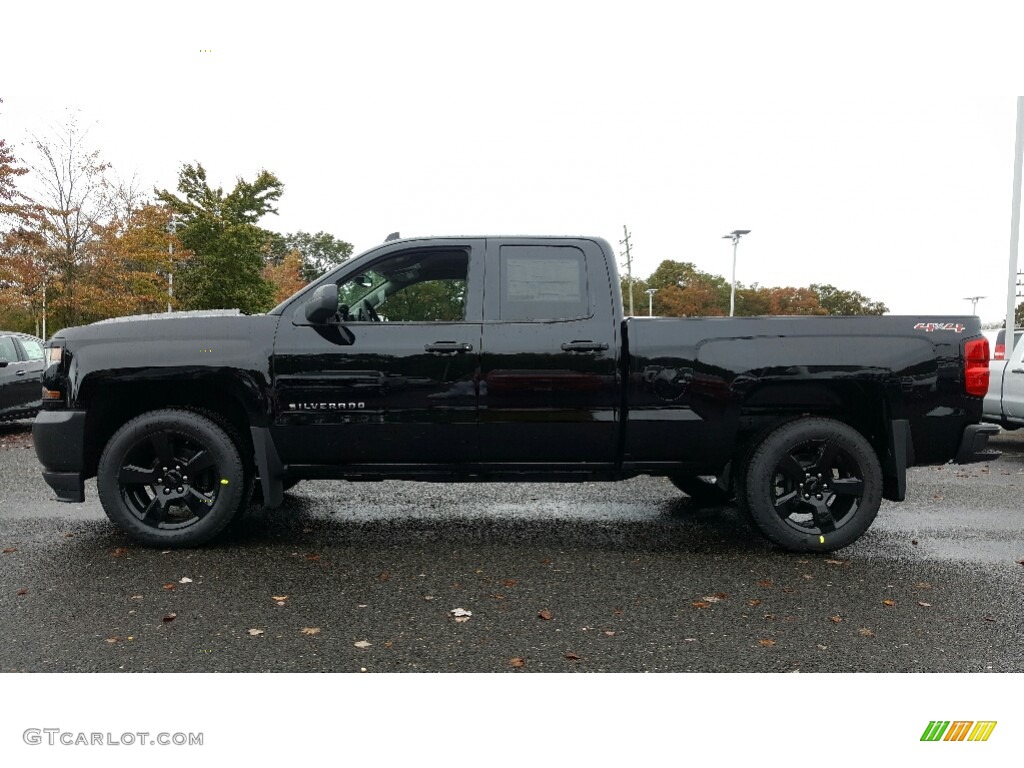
(622, 577)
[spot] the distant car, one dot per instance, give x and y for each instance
(21, 371)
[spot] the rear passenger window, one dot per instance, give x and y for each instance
(543, 282)
(32, 349)
(8, 351)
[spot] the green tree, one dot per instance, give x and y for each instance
(320, 253)
(838, 302)
(226, 270)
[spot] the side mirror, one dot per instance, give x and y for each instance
(3, 362)
(324, 304)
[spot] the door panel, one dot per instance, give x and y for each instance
(379, 384)
(549, 389)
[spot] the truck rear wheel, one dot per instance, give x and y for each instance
(171, 478)
(813, 484)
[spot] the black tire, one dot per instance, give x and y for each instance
(702, 489)
(171, 478)
(813, 485)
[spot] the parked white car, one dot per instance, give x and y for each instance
(1004, 403)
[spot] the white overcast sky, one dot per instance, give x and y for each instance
(867, 145)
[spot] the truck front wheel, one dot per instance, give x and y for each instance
(171, 478)
(813, 484)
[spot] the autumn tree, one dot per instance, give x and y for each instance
(286, 276)
(838, 302)
(221, 230)
(128, 272)
(319, 253)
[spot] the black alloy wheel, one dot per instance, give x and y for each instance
(814, 484)
(171, 478)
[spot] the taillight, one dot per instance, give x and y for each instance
(1000, 352)
(976, 367)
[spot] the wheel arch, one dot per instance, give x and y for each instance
(110, 401)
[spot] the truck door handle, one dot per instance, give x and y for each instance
(1017, 370)
(584, 346)
(20, 373)
(448, 347)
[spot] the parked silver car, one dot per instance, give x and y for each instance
(21, 370)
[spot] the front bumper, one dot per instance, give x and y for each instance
(59, 438)
(974, 444)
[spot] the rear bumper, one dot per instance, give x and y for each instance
(974, 444)
(59, 438)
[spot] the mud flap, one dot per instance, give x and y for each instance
(269, 465)
(899, 456)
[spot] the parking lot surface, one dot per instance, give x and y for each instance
(623, 577)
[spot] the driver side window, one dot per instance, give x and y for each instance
(417, 286)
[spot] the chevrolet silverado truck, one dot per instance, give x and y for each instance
(506, 359)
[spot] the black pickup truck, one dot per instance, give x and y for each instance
(504, 358)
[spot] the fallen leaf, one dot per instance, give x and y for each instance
(937, 497)
(788, 589)
(22, 591)
(924, 605)
(610, 632)
(517, 662)
(184, 580)
(135, 597)
(69, 535)
(362, 644)
(722, 595)
(889, 603)
(922, 585)
(914, 542)
(312, 557)
(10, 550)
(509, 583)
(311, 630)
(170, 617)
(119, 552)
(807, 576)
(384, 576)
(822, 647)
(989, 618)
(766, 643)
(279, 598)
(837, 562)
(546, 615)
(169, 586)
(755, 601)
(835, 619)
(865, 632)
(710, 599)
(388, 644)
(766, 583)
(460, 613)
(255, 632)
(700, 604)
(112, 640)
(572, 657)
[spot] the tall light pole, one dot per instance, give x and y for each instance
(974, 302)
(650, 301)
(172, 227)
(735, 236)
